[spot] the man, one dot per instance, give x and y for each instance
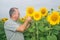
(13, 30)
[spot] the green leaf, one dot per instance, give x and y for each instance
(51, 37)
(42, 38)
(47, 29)
(56, 27)
(55, 32)
(41, 28)
(33, 38)
(31, 29)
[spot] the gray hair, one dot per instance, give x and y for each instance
(12, 10)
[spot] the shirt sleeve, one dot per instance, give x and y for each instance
(11, 26)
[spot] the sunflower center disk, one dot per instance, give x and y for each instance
(54, 18)
(37, 16)
(30, 11)
(43, 11)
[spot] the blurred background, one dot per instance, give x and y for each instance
(5, 5)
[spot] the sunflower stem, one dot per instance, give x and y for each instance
(34, 33)
(37, 29)
(50, 30)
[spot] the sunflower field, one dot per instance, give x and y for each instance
(45, 24)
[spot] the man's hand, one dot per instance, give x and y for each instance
(25, 25)
(28, 25)
(29, 19)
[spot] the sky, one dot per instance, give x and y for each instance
(5, 5)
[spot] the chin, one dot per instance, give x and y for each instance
(16, 18)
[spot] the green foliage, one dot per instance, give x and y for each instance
(42, 30)
(42, 38)
(2, 33)
(51, 37)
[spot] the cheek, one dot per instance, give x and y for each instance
(16, 16)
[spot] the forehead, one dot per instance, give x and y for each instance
(17, 11)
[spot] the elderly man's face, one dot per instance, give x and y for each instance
(15, 15)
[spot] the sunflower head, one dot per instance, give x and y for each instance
(53, 18)
(22, 19)
(36, 16)
(43, 11)
(29, 11)
(4, 19)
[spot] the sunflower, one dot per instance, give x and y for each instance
(36, 16)
(43, 11)
(53, 18)
(29, 11)
(22, 19)
(4, 19)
